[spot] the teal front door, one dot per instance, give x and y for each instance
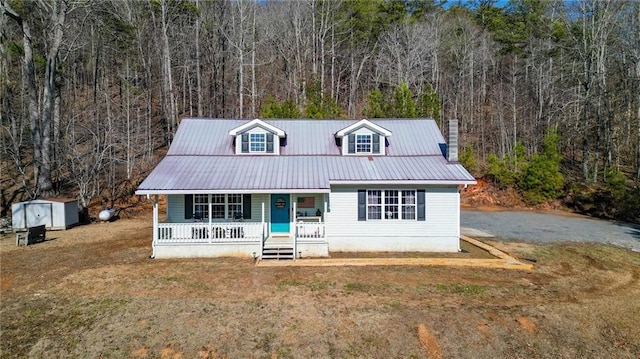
(280, 205)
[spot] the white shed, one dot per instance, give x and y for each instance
(54, 213)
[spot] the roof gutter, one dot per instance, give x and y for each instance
(405, 182)
(146, 192)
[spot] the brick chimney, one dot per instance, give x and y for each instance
(452, 147)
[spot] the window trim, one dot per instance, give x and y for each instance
(226, 204)
(200, 208)
(360, 144)
(364, 143)
(253, 141)
(384, 202)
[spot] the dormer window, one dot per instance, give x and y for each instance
(363, 143)
(363, 138)
(257, 142)
(257, 137)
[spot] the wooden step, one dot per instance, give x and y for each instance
(277, 252)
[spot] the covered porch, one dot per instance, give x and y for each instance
(261, 225)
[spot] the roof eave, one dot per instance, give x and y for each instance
(257, 122)
(403, 182)
(144, 192)
(361, 123)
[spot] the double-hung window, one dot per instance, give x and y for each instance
(217, 206)
(391, 204)
(223, 206)
(363, 143)
(200, 206)
(409, 204)
(257, 142)
(374, 204)
(234, 206)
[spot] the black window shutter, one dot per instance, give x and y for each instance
(362, 205)
(245, 143)
(269, 142)
(246, 206)
(421, 206)
(376, 143)
(188, 206)
(352, 144)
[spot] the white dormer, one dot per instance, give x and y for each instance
(257, 137)
(363, 138)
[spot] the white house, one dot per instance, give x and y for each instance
(302, 188)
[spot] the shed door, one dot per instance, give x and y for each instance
(38, 214)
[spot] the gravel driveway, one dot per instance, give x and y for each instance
(544, 227)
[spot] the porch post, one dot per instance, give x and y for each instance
(295, 228)
(154, 201)
(263, 231)
(324, 219)
(209, 230)
(326, 205)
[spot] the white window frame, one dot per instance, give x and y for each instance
(223, 206)
(374, 205)
(234, 205)
(360, 144)
(255, 141)
(201, 206)
(392, 205)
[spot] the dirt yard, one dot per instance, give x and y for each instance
(92, 292)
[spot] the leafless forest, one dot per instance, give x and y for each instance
(92, 91)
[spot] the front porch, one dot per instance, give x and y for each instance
(267, 235)
(239, 239)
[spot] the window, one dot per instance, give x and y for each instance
(391, 204)
(408, 204)
(217, 206)
(363, 143)
(374, 204)
(223, 206)
(234, 206)
(200, 206)
(257, 142)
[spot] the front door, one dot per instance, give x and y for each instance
(280, 205)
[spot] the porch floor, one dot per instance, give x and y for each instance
(279, 240)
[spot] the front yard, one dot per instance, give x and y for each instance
(93, 292)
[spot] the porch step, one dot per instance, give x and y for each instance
(277, 252)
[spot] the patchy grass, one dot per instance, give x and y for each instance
(462, 289)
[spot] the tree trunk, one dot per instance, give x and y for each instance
(58, 17)
(198, 68)
(167, 72)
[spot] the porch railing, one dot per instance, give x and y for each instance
(209, 232)
(310, 230)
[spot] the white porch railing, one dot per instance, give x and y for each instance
(310, 230)
(209, 232)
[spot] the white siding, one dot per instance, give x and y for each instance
(439, 232)
(256, 207)
(175, 208)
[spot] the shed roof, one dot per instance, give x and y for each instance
(201, 159)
